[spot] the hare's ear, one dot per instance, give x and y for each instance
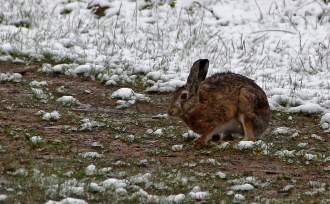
(197, 74)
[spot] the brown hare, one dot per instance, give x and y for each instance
(223, 104)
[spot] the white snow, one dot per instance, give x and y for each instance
(220, 175)
(88, 124)
(105, 170)
(238, 198)
(94, 187)
(128, 97)
(197, 194)
(141, 178)
(39, 94)
(325, 126)
(200, 195)
(190, 135)
(123, 93)
(3, 197)
(243, 187)
(302, 145)
(325, 121)
(224, 145)
(67, 100)
(307, 108)
(54, 115)
(121, 191)
(284, 46)
(67, 201)
(66, 69)
(177, 148)
(35, 83)
(114, 183)
(310, 157)
(10, 77)
(158, 132)
(244, 145)
(285, 153)
(91, 155)
(20, 172)
(288, 187)
(36, 140)
(175, 198)
(282, 131)
(90, 170)
(317, 137)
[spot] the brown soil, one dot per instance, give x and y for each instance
(17, 114)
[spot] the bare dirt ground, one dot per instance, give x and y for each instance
(58, 153)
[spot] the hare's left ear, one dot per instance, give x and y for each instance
(197, 74)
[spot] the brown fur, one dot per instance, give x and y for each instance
(226, 103)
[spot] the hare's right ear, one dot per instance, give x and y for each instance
(197, 74)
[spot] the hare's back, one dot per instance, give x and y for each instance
(228, 85)
(230, 80)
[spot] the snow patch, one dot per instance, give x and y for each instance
(245, 145)
(114, 183)
(10, 77)
(307, 108)
(54, 115)
(67, 101)
(177, 148)
(36, 140)
(67, 201)
(90, 155)
(243, 187)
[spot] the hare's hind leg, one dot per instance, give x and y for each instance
(247, 127)
(246, 112)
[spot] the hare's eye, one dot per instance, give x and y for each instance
(184, 96)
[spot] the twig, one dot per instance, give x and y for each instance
(99, 110)
(210, 10)
(274, 30)
(26, 69)
(261, 16)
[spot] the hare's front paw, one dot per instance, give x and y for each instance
(199, 143)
